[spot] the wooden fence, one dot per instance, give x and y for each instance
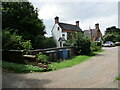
(18, 56)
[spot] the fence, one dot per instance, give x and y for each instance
(18, 55)
(34, 52)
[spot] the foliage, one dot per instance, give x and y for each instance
(44, 42)
(23, 17)
(10, 40)
(20, 68)
(14, 41)
(112, 29)
(26, 45)
(69, 43)
(111, 37)
(82, 44)
(112, 34)
(95, 46)
(49, 42)
(117, 78)
(74, 61)
(42, 58)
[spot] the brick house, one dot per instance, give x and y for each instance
(94, 34)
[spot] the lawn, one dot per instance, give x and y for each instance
(74, 61)
(22, 68)
(117, 78)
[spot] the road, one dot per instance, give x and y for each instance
(98, 72)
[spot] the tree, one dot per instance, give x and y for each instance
(111, 37)
(50, 42)
(112, 29)
(23, 17)
(112, 34)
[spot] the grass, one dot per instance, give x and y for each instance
(71, 62)
(20, 68)
(117, 78)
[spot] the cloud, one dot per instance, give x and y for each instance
(73, 0)
(48, 11)
(88, 13)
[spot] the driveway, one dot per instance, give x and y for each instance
(98, 72)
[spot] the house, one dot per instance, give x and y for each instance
(94, 34)
(62, 32)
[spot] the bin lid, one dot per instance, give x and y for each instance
(63, 50)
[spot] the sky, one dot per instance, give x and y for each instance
(88, 13)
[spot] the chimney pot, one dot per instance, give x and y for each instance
(56, 19)
(77, 23)
(97, 26)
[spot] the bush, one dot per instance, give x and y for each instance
(27, 45)
(10, 40)
(14, 41)
(42, 58)
(68, 43)
(82, 44)
(95, 46)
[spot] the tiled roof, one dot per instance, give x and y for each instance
(70, 27)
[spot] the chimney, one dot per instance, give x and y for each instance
(77, 23)
(97, 26)
(56, 19)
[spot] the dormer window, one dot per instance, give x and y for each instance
(58, 28)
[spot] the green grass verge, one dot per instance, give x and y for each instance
(71, 62)
(117, 78)
(20, 68)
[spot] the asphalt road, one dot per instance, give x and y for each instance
(98, 72)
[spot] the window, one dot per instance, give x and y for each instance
(58, 28)
(63, 35)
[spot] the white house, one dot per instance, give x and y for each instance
(62, 32)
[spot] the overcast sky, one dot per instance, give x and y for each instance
(88, 13)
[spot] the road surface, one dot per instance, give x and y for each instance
(98, 72)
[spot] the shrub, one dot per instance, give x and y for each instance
(82, 44)
(14, 41)
(42, 58)
(95, 46)
(68, 43)
(26, 46)
(10, 40)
